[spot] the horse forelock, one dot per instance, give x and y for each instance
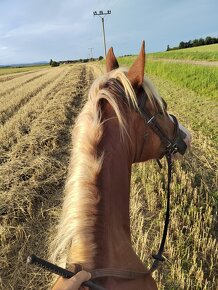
(116, 88)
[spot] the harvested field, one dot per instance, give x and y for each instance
(38, 109)
(35, 144)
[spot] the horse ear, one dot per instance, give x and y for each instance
(111, 61)
(136, 71)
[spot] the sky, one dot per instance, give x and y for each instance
(40, 30)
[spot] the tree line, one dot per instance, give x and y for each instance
(84, 60)
(196, 42)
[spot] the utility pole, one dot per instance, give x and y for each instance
(91, 54)
(102, 15)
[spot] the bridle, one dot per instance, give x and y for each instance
(172, 146)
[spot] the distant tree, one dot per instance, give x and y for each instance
(201, 41)
(55, 63)
(168, 47)
(182, 45)
(214, 40)
(189, 43)
(195, 42)
(100, 57)
(51, 61)
(208, 40)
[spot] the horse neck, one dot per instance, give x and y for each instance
(115, 183)
(113, 236)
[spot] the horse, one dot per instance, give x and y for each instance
(110, 134)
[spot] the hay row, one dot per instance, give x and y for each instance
(31, 193)
(18, 126)
(15, 100)
(12, 76)
(7, 87)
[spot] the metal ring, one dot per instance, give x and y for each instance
(149, 121)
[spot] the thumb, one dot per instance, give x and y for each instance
(80, 277)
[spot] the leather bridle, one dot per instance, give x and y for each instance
(172, 146)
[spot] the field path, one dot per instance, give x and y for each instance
(186, 61)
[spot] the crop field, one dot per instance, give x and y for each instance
(15, 70)
(206, 52)
(37, 111)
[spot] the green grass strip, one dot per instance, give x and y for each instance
(189, 55)
(206, 53)
(201, 79)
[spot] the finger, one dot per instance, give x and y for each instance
(56, 283)
(83, 276)
(80, 277)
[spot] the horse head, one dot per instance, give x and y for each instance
(154, 131)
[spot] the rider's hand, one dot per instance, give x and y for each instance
(73, 283)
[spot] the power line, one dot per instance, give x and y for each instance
(102, 15)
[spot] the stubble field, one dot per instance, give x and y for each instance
(37, 111)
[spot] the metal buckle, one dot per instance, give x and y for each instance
(172, 148)
(150, 120)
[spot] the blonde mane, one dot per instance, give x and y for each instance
(74, 241)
